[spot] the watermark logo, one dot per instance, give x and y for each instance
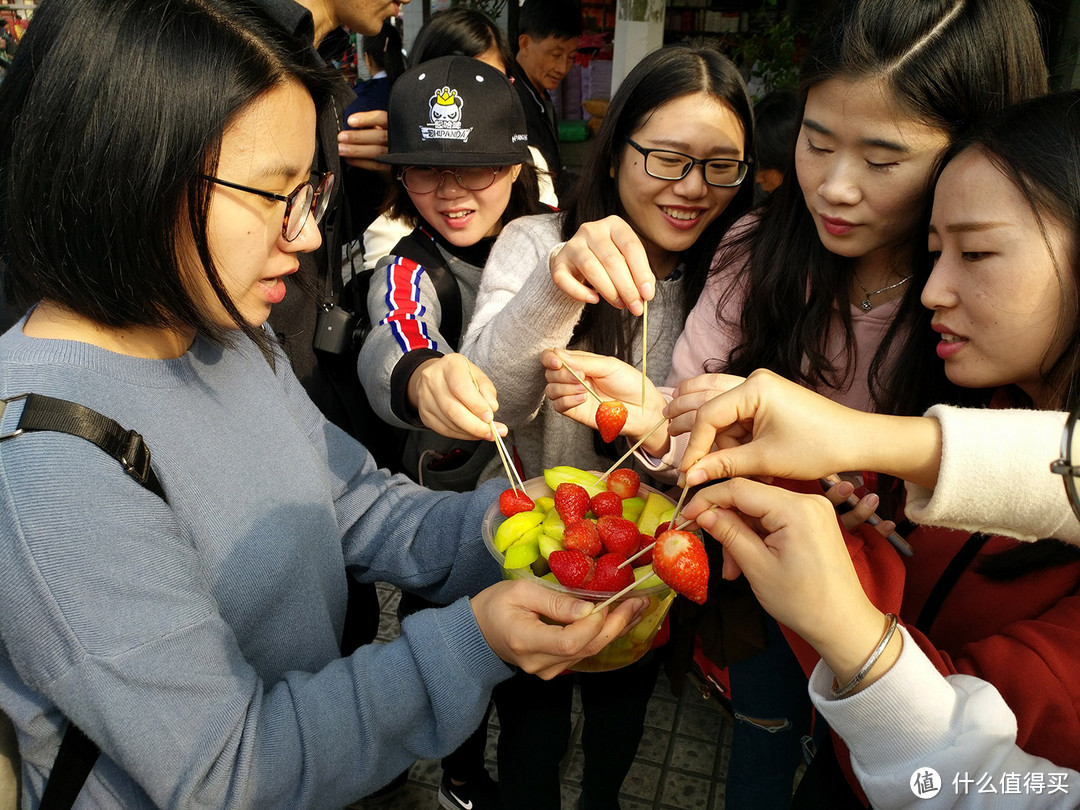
(925, 783)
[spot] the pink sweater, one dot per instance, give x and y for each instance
(705, 339)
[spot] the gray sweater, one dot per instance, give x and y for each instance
(519, 313)
(196, 641)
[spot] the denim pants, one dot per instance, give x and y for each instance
(772, 716)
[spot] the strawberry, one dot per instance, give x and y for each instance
(625, 482)
(571, 502)
(607, 576)
(512, 501)
(606, 503)
(610, 418)
(572, 568)
(646, 558)
(618, 534)
(679, 559)
(581, 535)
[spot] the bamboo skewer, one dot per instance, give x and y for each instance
(678, 506)
(615, 596)
(504, 456)
(636, 445)
(643, 550)
(576, 376)
(644, 350)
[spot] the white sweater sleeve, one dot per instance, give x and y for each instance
(913, 719)
(995, 475)
(519, 313)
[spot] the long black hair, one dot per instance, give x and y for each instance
(950, 63)
(463, 32)
(101, 168)
(660, 77)
(1036, 145)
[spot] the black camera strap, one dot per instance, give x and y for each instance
(78, 753)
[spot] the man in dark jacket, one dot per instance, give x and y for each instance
(548, 32)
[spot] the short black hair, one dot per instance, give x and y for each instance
(101, 168)
(541, 19)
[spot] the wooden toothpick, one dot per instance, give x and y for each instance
(644, 350)
(503, 454)
(576, 376)
(626, 455)
(615, 596)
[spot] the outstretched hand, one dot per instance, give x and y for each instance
(605, 259)
(769, 426)
(443, 392)
(791, 550)
(610, 378)
(511, 617)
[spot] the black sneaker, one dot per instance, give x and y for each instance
(481, 793)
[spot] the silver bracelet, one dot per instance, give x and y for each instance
(848, 687)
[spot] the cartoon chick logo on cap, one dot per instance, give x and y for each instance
(444, 112)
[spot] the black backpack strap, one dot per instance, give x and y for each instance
(948, 580)
(419, 247)
(126, 446)
(78, 753)
(73, 764)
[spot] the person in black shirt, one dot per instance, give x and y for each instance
(548, 32)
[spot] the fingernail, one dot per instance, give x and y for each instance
(647, 290)
(582, 609)
(695, 477)
(872, 500)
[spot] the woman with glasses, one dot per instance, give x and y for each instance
(454, 194)
(461, 162)
(663, 178)
(151, 207)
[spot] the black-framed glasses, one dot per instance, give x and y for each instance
(663, 164)
(306, 198)
(426, 179)
(1065, 466)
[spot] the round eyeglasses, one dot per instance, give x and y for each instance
(1066, 466)
(306, 198)
(663, 164)
(426, 179)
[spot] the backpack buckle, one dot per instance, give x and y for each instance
(3, 406)
(135, 457)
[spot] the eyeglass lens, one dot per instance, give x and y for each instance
(426, 179)
(673, 166)
(307, 200)
(1073, 458)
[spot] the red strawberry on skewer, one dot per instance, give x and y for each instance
(679, 559)
(512, 501)
(625, 482)
(610, 419)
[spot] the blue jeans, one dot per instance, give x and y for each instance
(772, 716)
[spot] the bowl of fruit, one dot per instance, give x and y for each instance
(575, 534)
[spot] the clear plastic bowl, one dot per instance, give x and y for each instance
(622, 651)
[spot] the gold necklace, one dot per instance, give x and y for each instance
(865, 304)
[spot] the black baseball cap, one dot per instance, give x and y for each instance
(455, 111)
